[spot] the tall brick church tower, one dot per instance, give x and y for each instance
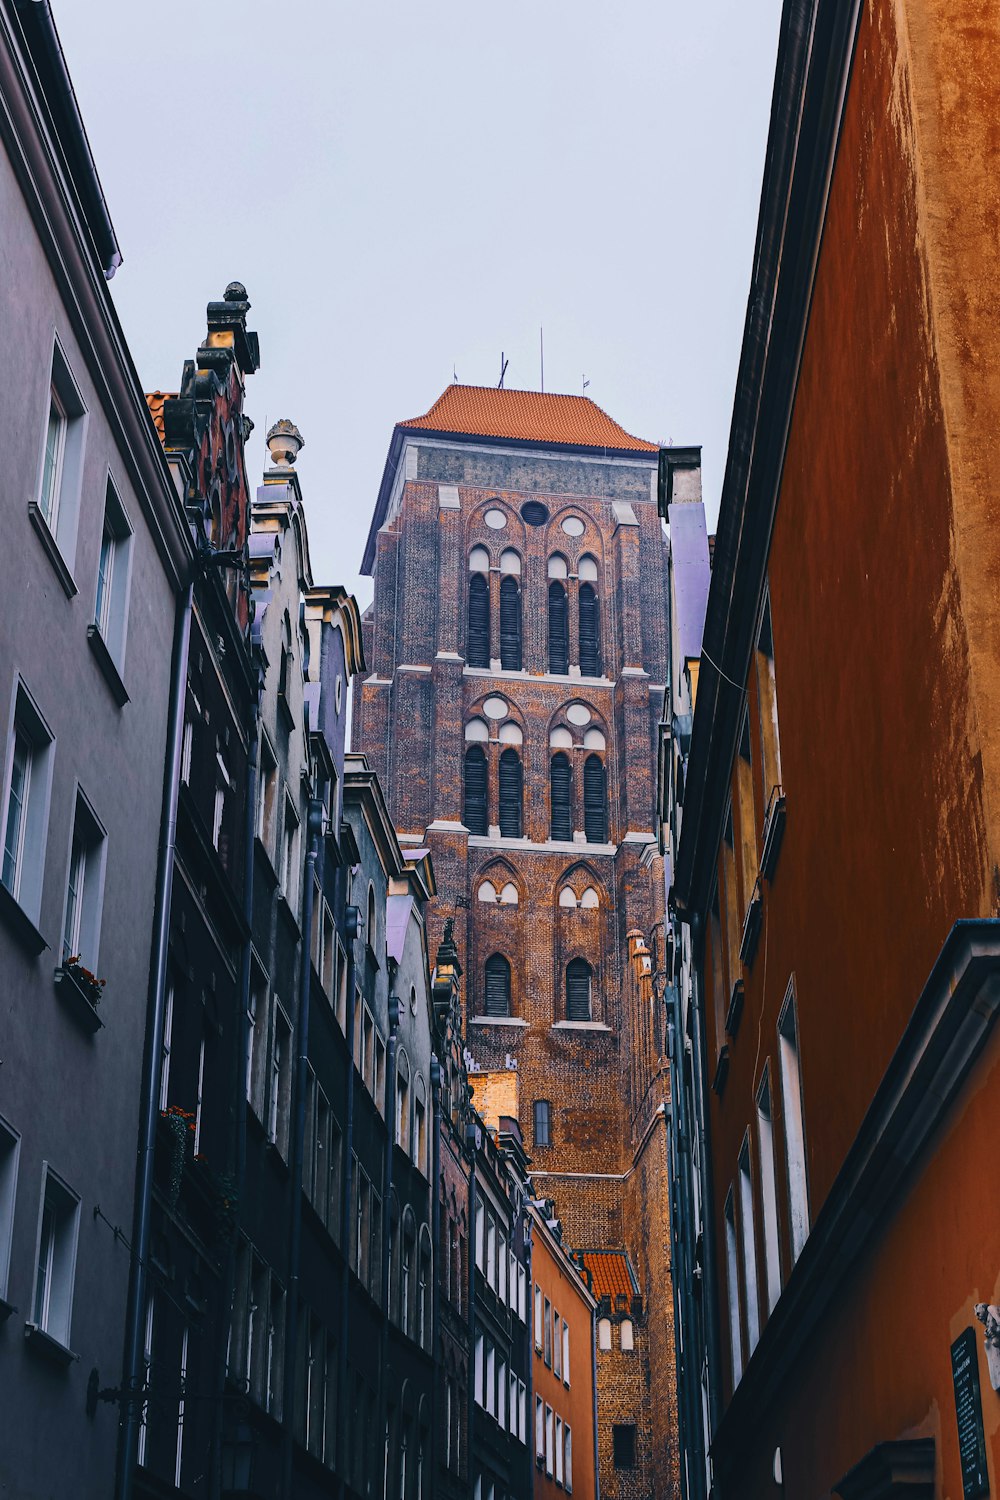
(519, 653)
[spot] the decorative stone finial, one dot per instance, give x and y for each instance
(235, 292)
(284, 440)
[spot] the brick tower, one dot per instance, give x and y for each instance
(519, 652)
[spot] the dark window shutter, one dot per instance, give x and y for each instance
(560, 785)
(476, 820)
(478, 644)
(497, 986)
(511, 782)
(542, 1113)
(595, 800)
(590, 632)
(510, 624)
(578, 990)
(558, 629)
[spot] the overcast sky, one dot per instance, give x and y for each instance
(408, 190)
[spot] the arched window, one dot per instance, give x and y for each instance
(510, 624)
(478, 644)
(595, 800)
(511, 794)
(590, 632)
(590, 898)
(567, 897)
(475, 813)
(626, 1335)
(560, 786)
(497, 986)
(558, 629)
(604, 1333)
(508, 896)
(578, 976)
(487, 891)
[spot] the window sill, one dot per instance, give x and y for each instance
(773, 833)
(580, 1026)
(721, 1071)
(51, 548)
(735, 1011)
(751, 927)
(14, 916)
(6, 1308)
(105, 661)
(497, 1021)
(46, 1345)
(276, 1157)
(288, 912)
(81, 1007)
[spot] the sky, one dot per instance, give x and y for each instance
(411, 191)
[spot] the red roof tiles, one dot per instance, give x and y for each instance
(155, 400)
(610, 1273)
(530, 416)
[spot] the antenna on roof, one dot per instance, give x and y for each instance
(541, 355)
(586, 382)
(503, 370)
(454, 373)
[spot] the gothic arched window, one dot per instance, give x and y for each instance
(475, 812)
(590, 632)
(560, 788)
(510, 624)
(578, 987)
(477, 650)
(558, 629)
(497, 986)
(595, 800)
(511, 794)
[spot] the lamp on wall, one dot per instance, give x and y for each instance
(238, 1454)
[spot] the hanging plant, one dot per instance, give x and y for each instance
(179, 1125)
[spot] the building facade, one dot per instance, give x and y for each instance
(94, 566)
(520, 631)
(836, 871)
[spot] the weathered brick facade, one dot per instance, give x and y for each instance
(544, 508)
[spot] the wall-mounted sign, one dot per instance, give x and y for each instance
(969, 1412)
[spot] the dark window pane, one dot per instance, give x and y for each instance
(558, 629)
(578, 991)
(476, 820)
(511, 782)
(478, 644)
(561, 781)
(497, 986)
(510, 624)
(590, 632)
(595, 800)
(623, 1444)
(543, 1122)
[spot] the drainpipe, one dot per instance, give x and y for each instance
(352, 926)
(593, 1366)
(712, 1339)
(470, 1141)
(239, 1094)
(529, 1415)
(437, 1353)
(131, 1385)
(390, 1136)
(299, 1085)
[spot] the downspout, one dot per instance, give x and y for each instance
(239, 1092)
(437, 1353)
(390, 1136)
(299, 1084)
(708, 1225)
(470, 1140)
(352, 926)
(131, 1385)
(529, 1415)
(593, 1366)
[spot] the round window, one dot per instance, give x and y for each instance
(496, 708)
(578, 713)
(495, 520)
(534, 512)
(573, 526)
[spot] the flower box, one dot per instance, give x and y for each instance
(81, 992)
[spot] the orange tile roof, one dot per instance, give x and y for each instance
(530, 416)
(610, 1273)
(155, 400)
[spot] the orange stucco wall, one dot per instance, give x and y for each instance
(884, 574)
(575, 1402)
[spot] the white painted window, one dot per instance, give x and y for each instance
(568, 1459)
(565, 1352)
(768, 1190)
(502, 1393)
(503, 1267)
(480, 1234)
(61, 467)
(491, 1379)
(733, 1290)
(538, 1316)
(198, 1095)
(147, 1361)
(168, 1038)
(27, 781)
(794, 1124)
(179, 1449)
(10, 1150)
(55, 1266)
(748, 1248)
(549, 1439)
(560, 1456)
(290, 844)
(522, 1412)
(480, 1368)
(604, 1333)
(556, 1346)
(84, 888)
(113, 569)
(626, 1335)
(539, 1427)
(491, 1251)
(522, 1293)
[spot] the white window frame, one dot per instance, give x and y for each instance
(61, 513)
(733, 1291)
(23, 873)
(565, 1353)
(83, 904)
(55, 1242)
(793, 1120)
(748, 1246)
(768, 1189)
(114, 575)
(166, 1045)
